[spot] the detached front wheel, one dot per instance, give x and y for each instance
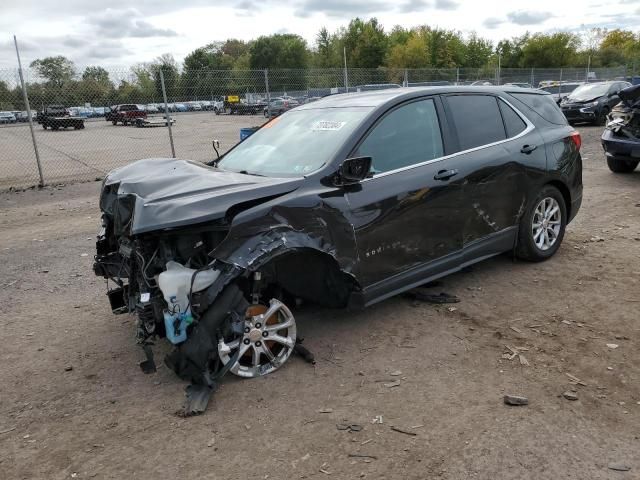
(542, 226)
(267, 341)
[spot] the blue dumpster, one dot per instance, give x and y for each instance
(247, 132)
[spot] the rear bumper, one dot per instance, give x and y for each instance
(617, 147)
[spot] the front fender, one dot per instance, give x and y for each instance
(268, 230)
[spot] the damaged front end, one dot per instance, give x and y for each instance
(171, 256)
(624, 119)
(621, 137)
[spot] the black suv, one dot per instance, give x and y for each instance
(592, 102)
(345, 202)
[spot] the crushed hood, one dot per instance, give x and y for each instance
(160, 193)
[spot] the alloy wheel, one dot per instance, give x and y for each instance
(267, 342)
(546, 223)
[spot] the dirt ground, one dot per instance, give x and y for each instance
(74, 403)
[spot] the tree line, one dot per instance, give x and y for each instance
(233, 66)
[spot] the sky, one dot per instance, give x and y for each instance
(120, 33)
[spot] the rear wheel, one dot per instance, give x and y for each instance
(622, 165)
(115, 122)
(542, 226)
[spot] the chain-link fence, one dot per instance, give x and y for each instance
(85, 126)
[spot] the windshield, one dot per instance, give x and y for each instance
(587, 92)
(296, 143)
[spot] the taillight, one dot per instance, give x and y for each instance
(576, 138)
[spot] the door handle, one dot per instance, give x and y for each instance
(527, 149)
(445, 174)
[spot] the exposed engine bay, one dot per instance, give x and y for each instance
(174, 252)
(171, 284)
(624, 119)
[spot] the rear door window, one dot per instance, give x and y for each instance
(406, 136)
(477, 119)
(513, 123)
(543, 105)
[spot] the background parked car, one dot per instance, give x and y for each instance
(561, 90)
(100, 111)
(194, 106)
(481, 83)
(279, 105)
(151, 108)
(518, 84)
(7, 117)
(24, 116)
(592, 102)
(126, 114)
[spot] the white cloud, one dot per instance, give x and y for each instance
(140, 31)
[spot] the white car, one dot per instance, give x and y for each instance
(7, 117)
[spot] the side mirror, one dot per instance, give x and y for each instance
(354, 170)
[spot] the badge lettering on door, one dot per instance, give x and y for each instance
(382, 248)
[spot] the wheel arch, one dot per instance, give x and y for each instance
(566, 194)
(308, 273)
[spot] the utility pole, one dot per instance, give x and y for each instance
(166, 113)
(346, 79)
(26, 103)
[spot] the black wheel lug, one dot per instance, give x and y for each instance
(258, 325)
(258, 343)
(265, 334)
(247, 341)
(247, 329)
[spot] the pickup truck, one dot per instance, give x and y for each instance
(125, 114)
(57, 116)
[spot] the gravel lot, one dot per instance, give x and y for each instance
(72, 155)
(76, 405)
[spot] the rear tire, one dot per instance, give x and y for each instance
(542, 226)
(621, 165)
(115, 122)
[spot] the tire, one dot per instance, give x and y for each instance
(115, 122)
(622, 165)
(44, 126)
(532, 247)
(601, 120)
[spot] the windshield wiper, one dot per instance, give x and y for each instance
(246, 172)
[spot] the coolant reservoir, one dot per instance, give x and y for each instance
(175, 283)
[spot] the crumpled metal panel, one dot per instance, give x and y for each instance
(172, 193)
(313, 222)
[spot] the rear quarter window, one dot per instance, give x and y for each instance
(513, 124)
(543, 105)
(477, 119)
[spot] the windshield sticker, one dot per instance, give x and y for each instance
(327, 125)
